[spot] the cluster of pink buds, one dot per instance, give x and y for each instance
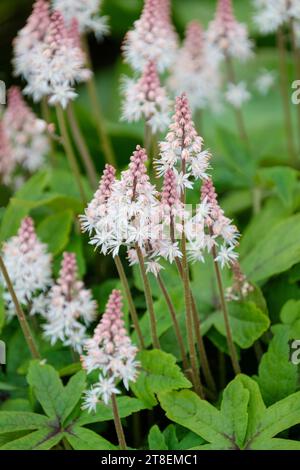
(195, 72)
(211, 230)
(7, 162)
(152, 38)
(241, 287)
(55, 62)
(182, 149)
(68, 307)
(26, 133)
(111, 352)
(28, 264)
(226, 35)
(146, 99)
(86, 13)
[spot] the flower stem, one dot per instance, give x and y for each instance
(118, 424)
(174, 320)
(70, 153)
(131, 305)
(238, 113)
(230, 343)
(46, 117)
(189, 319)
(97, 111)
(148, 296)
(20, 313)
(82, 146)
(284, 85)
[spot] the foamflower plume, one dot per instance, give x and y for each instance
(226, 35)
(26, 133)
(183, 142)
(54, 63)
(68, 307)
(146, 99)
(270, 15)
(28, 264)
(111, 352)
(152, 38)
(7, 161)
(86, 14)
(212, 229)
(196, 70)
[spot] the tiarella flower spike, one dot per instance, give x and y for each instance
(133, 198)
(183, 143)
(111, 352)
(26, 133)
(30, 38)
(68, 307)
(195, 71)
(227, 35)
(152, 38)
(56, 63)
(28, 264)
(146, 99)
(7, 161)
(98, 205)
(86, 13)
(218, 229)
(272, 14)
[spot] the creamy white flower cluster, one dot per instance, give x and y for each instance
(209, 230)
(272, 14)
(49, 57)
(68, 308)
(196, 70)
(111, 351)
(86, 13)
(28, 264)
(26, 133)
(147, 99)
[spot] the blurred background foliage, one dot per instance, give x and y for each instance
(263, 115)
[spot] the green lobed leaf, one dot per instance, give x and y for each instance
(159, 373)
(42, 439)
(156, 439)
(278, 251)
(126, 407)
(247, 322)
(55, 230)
(85, 439)
(277, 376)
(11, 421)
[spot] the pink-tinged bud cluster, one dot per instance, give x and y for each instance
(68, 307)
(86, 14)
(7, 162)
(28, 264)
(195, 70)
(240, 287)
(97, 207)
(227, 35)
(30, 37)
(26, 133)
(152, 38)
(170, 196)
(111, 351)
(183, 144)
(212, 229)
(270, 15)
(54, 63)
(146, 99)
